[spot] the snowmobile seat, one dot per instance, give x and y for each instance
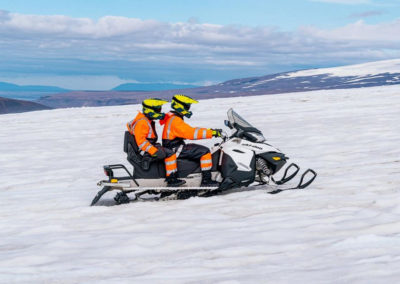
(156, 168)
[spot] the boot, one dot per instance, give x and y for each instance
(173, 181)
(207, 181)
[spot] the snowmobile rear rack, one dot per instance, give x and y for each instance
(108, 170)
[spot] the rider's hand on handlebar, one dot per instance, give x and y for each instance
(216, 132)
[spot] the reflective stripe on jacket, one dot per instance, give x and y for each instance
(143, 131)
(176, 128)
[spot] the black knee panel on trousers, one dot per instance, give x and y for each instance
(193, 151)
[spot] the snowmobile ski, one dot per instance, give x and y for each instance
(300, 185)
(285, 179)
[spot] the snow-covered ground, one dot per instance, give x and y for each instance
(344, 229)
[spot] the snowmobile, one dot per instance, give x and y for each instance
(242, 159)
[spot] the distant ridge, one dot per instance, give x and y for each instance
(151, 87)
(381, 73)
(29, 92)
(34, 88)
(14, 106)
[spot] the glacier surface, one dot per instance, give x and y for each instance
(344, 229)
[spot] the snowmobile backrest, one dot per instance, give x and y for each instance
(130, 139)
(141, 163)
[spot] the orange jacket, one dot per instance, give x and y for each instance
(143, 131)
(175, 127)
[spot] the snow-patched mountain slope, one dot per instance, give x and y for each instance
(365, 69)
(344, 229)
(379, 73)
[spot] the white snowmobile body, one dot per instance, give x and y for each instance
(238, 160)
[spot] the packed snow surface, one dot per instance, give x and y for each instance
(344, 229)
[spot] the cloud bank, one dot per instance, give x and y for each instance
(121, 43)
(367, 14)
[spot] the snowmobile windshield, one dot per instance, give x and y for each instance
(249, 132)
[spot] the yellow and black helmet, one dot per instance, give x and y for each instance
(152, 108)
(181, 104)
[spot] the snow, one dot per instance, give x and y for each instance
(259, 83)
(344, 229)
(365, 69)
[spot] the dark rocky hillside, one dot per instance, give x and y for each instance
(12, 106)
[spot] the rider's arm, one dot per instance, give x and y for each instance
(184, 130)
(141, 131)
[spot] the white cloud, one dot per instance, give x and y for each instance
(367, 14)
(362, 34)
(189, 43)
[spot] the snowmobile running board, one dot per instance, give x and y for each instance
(108, 186)
(138, 191)
(125, 186)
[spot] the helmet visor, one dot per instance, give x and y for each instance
(157, 109)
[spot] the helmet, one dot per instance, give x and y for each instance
(181, 104)
(152, 108)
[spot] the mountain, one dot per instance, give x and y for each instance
(345, 228)
(28, 92)
(371, 74)
(379, 73)
(150, 87)
(26, 88)
(13, 106)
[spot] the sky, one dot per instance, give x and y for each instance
(98, 45)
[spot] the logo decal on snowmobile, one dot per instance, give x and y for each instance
(259, 148)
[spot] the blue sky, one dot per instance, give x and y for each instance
(99, 44)
(286, 14)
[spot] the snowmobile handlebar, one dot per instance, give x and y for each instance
(224, 135)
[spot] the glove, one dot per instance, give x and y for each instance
(216, 132)
(159, 155)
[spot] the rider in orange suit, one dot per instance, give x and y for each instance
(176, 130)
(144, 131)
